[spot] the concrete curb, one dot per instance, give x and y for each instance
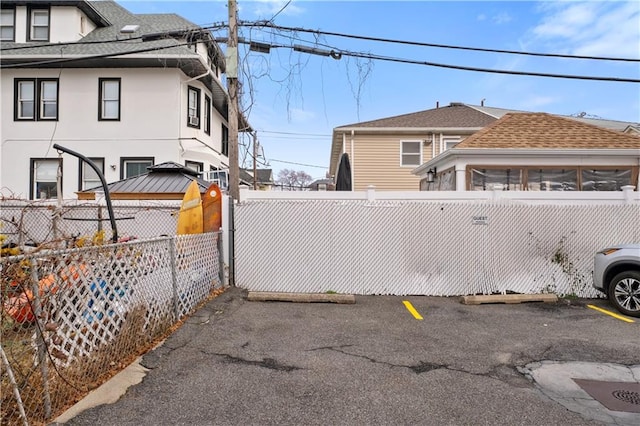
(108, 393)
(267, 296)
(508, 298)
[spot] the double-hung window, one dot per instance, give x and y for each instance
(193, 108)
(7, 24)
(44, 174)
(134, 166)
(206, 117)
(39, 25)
(88, 177)
(25, 104)
(48, 99)
(36, 99)
(109, 99)
(410, 153)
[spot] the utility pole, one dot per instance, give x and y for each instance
(232, 87)
(255, 160)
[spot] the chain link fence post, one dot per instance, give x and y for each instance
(174, 279)
(40, 343)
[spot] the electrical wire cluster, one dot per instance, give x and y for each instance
(258, 30)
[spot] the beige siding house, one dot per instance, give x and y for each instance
(536, 152)
(384, 152)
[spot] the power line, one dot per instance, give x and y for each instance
(298, 164)
(167, 34)
(345, 53)
(280, 11)
(489, 70)
(293, 133)
(443, 46)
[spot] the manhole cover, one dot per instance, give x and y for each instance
(616, 396)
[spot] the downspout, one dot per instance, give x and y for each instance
(433, 145)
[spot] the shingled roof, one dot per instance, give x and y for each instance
(547, 131)
(455, 115)
(107, 38)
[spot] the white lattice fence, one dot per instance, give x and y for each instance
(70, 316)
(424, 247)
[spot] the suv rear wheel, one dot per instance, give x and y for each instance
(624, 293)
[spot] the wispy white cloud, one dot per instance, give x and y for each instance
(590, 28)
(301, 116)
(501, 18)
(535, 102)
(498, 19)
(265, 9)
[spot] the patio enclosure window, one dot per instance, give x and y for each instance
(605, 180)
(486, 179)
(552, 180)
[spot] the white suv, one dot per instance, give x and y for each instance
(616, 273)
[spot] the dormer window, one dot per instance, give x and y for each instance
(7, 24)
(39, 25)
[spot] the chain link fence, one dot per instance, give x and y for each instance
(439, 248)
(70, 318)
(37, 222)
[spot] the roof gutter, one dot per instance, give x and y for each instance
(408, 129)
(516, 152)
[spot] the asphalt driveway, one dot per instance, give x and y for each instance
(239, 362)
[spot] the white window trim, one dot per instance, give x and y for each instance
(42, 100)
(104, 100)
(402, 142)
(36, 164)
(445, 139)
(33, 25)
(22, 99)
(12, 13)
(98, 162)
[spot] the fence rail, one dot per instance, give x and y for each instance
(42, 221)
(70, 316)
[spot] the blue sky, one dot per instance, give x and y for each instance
(294, 100)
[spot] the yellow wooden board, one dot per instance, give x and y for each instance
(190, 216)
(212, 209)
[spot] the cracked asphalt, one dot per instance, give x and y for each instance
(236, 362)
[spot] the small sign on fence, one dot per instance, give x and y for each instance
(480, 220)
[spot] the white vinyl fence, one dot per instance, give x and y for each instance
(381, 244)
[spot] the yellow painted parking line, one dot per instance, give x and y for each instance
(613, 314)
(411, 309)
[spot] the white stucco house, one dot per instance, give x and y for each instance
(126, 90)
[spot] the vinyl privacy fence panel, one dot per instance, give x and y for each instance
(424, 247)
(70, 317)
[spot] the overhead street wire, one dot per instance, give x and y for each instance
(443, 46)
(342, 53)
